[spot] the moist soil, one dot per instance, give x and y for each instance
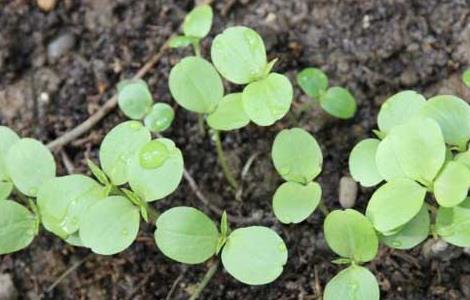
(58, 67)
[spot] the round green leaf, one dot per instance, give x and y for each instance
(466, 77)
(394, 204)
(134, 98)
(412, 233)
(399, 109)
(452, 184)
(7, 139)
(29, 164)
(296, 155)
(350, 235)
(119, 146)
(198, 22)
(229, 114)
(186, 235)
(294, 202)
(63, 200)
(5, 190)
(196, 85)
(110, 225)
(339, 103)
(453, 116)
(159, 118)
(362, 165)
(239, 55)
(18, 226)
(268, 100)
(313, 82)
(353, 283)
(415, 149)
(158, 182)
(453, 224)
(254, 255)
(181, 41)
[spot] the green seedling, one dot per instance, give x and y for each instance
(466, 77)
(254, 255)
(336, 101)
(297, 157)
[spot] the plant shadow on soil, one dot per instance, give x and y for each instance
(374, 48)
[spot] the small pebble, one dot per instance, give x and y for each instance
(60, 45)
(347, 192)
(7, 288)
(46, 5)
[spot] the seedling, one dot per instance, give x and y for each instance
(297, 157)
(466, 77)
(421, 150)
(336, 101)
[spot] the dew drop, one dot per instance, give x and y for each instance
(125, 232)
(396, 243)
(135, 125)
(284, 171)
(153, 155)
(33, 191)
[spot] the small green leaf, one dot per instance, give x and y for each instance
(7, 139)
(294, 202)
(224, 227)
(63, 200)
(394, 204)
(399, 109)
(466, 77)
(29, 164)
(453, 116)
(18, 226)
(196, 85)
(181, 41)
(313, 82)
(398, 155)
(296, 155)
(119, 146)
(134, 98)
(239, 55)
(5, 190)
(353, 283)
(350, 235)
(453, 224)
(254, 255)
(412, 233)
(452, 184)
(186, 235)
(362, 165)
(229, 114)
(463, 158)
(97, 172)
(268, 100)
(110, 225)
(339, 103)
(157, 182)
(198, 22)
(159, 118)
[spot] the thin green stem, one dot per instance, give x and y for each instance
(200, 122)
(209, 274)
(197, 48)
(222, 160)
(323, 208)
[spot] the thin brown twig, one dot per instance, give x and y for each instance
(173, 286)
(67, 273)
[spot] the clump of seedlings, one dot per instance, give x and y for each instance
(422, 158)
(337, 101)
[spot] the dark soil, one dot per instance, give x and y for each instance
(374, 48)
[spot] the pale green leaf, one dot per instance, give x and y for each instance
(351, 235)
(294, 202)
(181, 41)
(7, 139)
(466, 77)
(29, 164)
(296, 155)
(239, 55)
(186, 235)
(229, 114)
(97, 172)
(5, 190)
(362, 165)
(394, 204)
(453, 224)
(313, 82)
(254, 255)
(452, 184)
(412, 233)
(399, 109)
(339, 103)
(152, 182)
(198, 22)
(353, 283)
(159, 118)
(119, 146)
(110, 225)
(134, 98)
(18, 226)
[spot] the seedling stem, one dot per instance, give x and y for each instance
(222, 159)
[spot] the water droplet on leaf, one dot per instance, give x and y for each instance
(153, 155)
(33, 191)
